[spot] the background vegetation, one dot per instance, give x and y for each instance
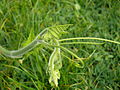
(22, 20)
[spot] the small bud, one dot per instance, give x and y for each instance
(77, 6)
(20, 61)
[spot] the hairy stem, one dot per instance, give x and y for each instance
(18, 53)
(90, 38)
(93, 43)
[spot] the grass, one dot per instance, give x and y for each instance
(22, 20)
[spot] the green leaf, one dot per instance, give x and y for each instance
(55, 32)
(55, 63)
(30, 38)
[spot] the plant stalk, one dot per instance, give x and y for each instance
(89, 38)
(20, 52)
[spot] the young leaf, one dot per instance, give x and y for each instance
(55, 32)
(55, 63)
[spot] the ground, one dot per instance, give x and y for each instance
(90, 18)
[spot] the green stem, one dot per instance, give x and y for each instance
(26, 49)
(91, 38)
(81, 43)
(18, 53)
(4, 51)
(65, 49)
